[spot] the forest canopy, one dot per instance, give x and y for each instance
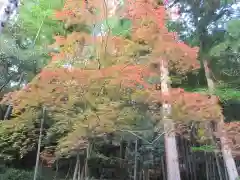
(117, 71)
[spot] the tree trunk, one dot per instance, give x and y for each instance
(173, 172)
(79, 171)
(136, 160)
(88, 150)
(76, 168)
(210, 134)
(145, 174)
(7, 9)
(227, 155)
(226, 150)
(163, 169)
(39, 145)
(210, 82)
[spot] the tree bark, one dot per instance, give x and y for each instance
(227, 154)
(136, 160)
(86, 170)
(163, 168)
(210, 82)
(79, 171)
(226, 150)
(173, 172)
(39, 145)
(76, 168)
(145, 174)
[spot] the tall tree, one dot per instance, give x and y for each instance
(203, 14)
(113, 84)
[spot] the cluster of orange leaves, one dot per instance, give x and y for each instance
(148, 26)
(54, 85)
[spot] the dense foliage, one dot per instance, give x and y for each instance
(103, 87)
(24, 42)
(110, 86)
(13, 174)
(212, 28)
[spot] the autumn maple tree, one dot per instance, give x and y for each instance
(113, 83)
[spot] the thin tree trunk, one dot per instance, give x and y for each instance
(227, 156)
(141, 175)
(163, 168)
(191, 166)
(79, 171)
(68, 171)
(214, 167)
(219, 168)
(188, 155)
(8, 112)
(7, 8)
(39, 145)
(82, 174)
(226, 150)
(173, 172)
(76, 168)
(2, 87)
(194, 166)
(146, 174)
(136, 160)
(121, 153)
(206, 162)
(126, 159)
(210, 134)
(86, 162)
(226, 173)
(56, 172)
(184, 159)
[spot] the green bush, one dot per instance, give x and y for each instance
(16, 174)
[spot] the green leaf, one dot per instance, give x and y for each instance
(117, 26)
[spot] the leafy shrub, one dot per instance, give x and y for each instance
(16, 174)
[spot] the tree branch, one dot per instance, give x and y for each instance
(6, 82)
